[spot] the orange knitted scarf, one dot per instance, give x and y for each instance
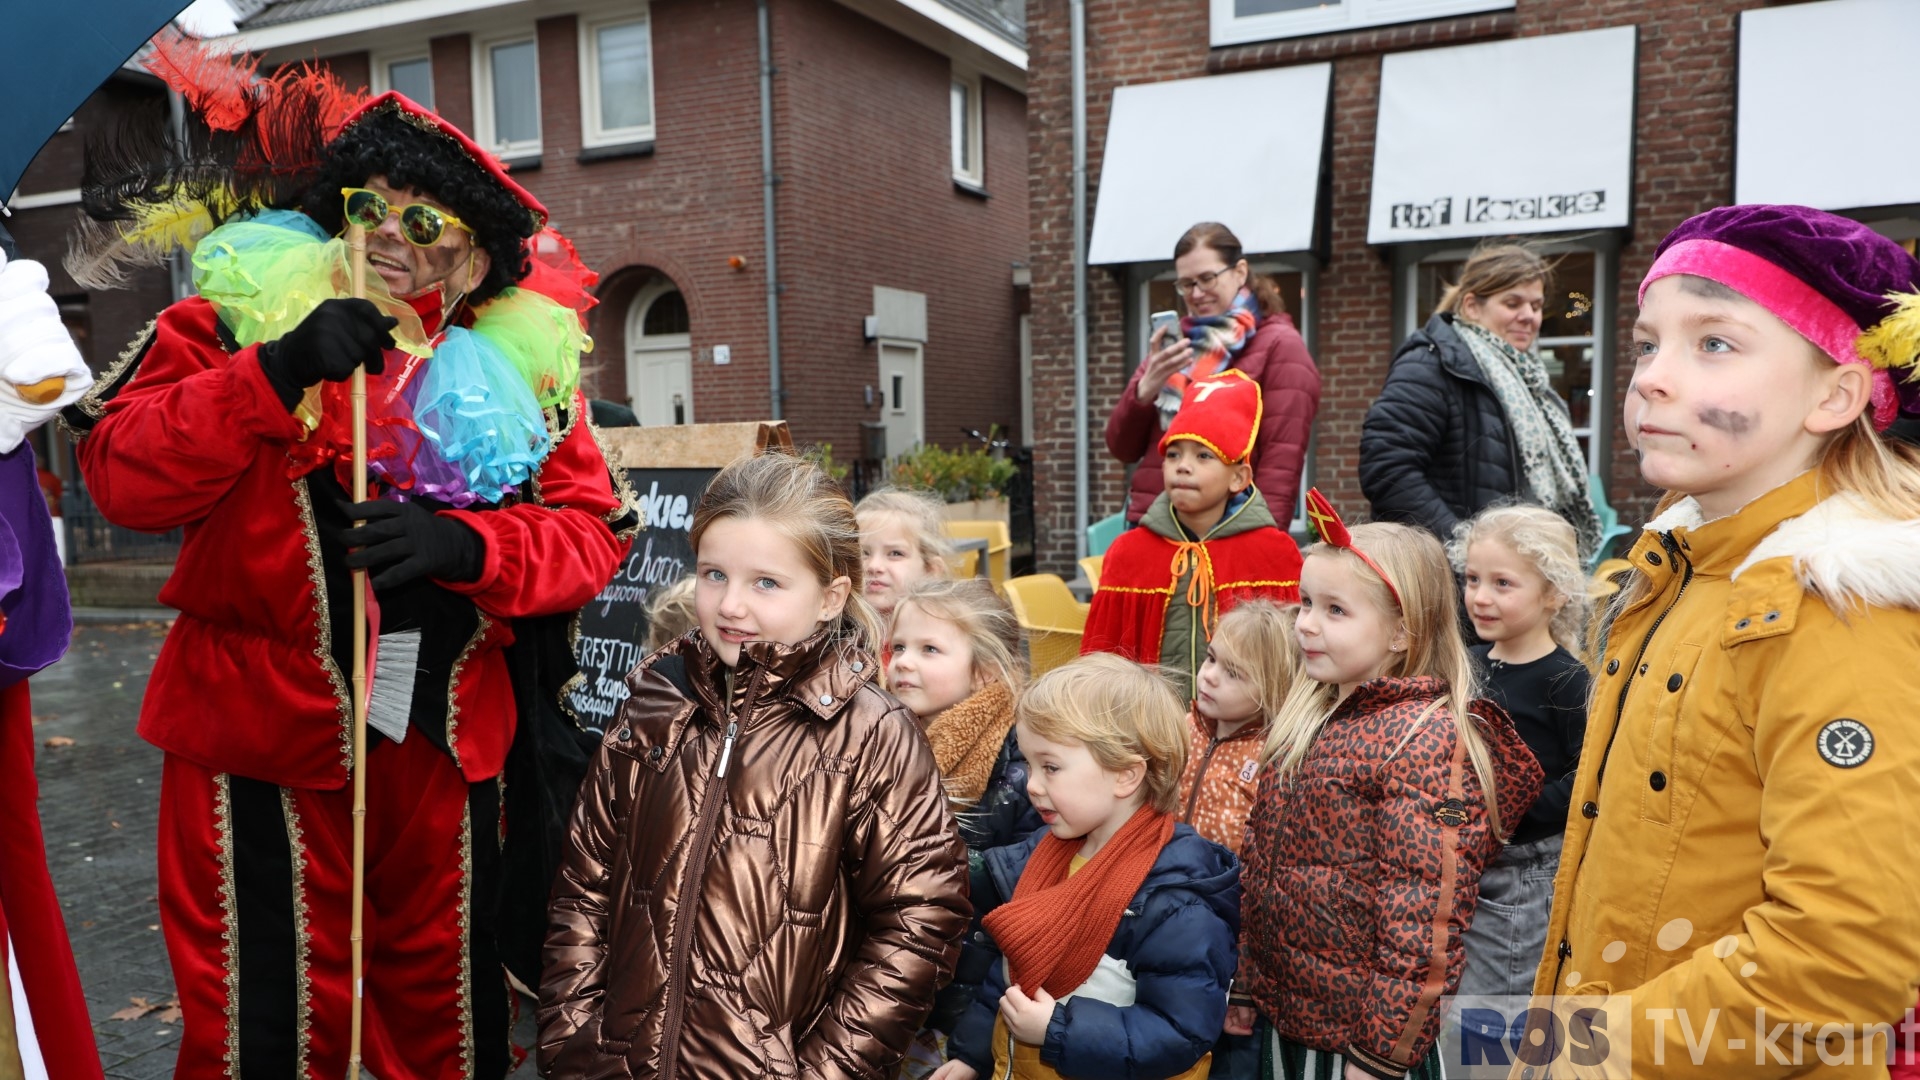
(1055, 929)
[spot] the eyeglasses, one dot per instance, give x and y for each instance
(1186, 285)
(421, 224)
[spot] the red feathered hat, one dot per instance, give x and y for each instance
(429, 121)
(1220, 412)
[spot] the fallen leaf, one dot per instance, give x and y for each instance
(88, 925)
(169, 1015)
(115, 824)
(59, 741)
(153, 926)
(138, 1009)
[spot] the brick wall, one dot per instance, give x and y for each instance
(867, 198)
(1683, 164)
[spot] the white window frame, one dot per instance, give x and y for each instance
(382, 81)
(591, 133)
(1334, 16)
(483, 94)
(975, 136)
(1598, 430)
(1140, 330)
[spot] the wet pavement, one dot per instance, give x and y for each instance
(99, 807)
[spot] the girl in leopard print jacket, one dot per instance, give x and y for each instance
(1386, 794)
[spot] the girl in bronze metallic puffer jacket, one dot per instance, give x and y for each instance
(763, 876)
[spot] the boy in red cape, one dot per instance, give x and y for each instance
(1206, 543)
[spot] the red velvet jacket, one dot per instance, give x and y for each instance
(1360, 872)
(253, 677)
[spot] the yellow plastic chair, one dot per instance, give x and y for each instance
(964, 564)
(999, 546)
(1090, 566)
(1053, 619)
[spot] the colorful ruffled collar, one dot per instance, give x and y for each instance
(458, 413)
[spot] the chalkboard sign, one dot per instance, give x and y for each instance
(613, 627)
(679, 462)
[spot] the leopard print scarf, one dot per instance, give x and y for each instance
(966, 741)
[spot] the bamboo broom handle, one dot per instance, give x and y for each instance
(357, 270)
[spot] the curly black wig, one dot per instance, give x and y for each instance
(385, 144)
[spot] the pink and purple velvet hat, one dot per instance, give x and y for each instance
(1852, 292)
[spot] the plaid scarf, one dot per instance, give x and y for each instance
(1216, 340)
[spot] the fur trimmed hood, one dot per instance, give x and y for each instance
(1842, 551)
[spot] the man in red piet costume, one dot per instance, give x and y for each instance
(492, 513)
(1206, 543)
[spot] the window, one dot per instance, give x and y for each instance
(964, 125)
(412, 76)
(667, 315)
(507, 90)
(1573, 330)
(1238, 21)
(616, 81)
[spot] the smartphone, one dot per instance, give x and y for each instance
(1163, 318)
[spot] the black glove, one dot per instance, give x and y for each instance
(329, 343)
(406, 541)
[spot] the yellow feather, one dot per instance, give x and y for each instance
(163, 227)
(1894, 342)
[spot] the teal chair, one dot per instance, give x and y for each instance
(1101, 534)
(1610, 527)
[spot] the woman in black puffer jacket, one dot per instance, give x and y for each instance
(1443, 441)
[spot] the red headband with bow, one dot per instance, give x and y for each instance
(1333, 532)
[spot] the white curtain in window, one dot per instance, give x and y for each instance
(625, 57)
(413, 78)
(516, 103)
(962, 128)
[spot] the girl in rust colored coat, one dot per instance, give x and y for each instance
(1386, 794)
(763, 876)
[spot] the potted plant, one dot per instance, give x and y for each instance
(972, 482)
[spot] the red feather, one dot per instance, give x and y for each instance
(216, 85)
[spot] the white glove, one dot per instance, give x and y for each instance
(41, 371)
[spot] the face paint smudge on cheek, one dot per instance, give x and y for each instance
(1733, 423)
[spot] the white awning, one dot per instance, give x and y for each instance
(1530, 135)
(1243, 150)
(1822, 107)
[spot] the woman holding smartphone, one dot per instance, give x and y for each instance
(1233, 319)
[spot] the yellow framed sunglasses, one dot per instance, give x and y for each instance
(421, 224)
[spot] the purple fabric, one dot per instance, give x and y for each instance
(1843, 260)
(33, 587)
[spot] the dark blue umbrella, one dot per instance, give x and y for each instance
(52, 56)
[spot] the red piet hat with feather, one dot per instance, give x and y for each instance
(419, 116)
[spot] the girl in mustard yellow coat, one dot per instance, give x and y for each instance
(1740, 863)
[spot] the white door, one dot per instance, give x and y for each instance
(660, 356)
(903, 406)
